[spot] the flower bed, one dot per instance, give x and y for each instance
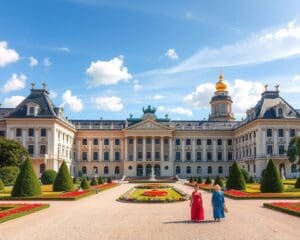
(11, 211)
(203, 186)
(155, 193)
(292, 208)
(236, 194)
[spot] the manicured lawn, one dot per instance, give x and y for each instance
(11, 211)
(286, 207)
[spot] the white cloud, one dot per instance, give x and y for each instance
(158, 97)
(110, 104)
(72, 102)
(13, 101)
(107, 72)
(62, 49)
(16, 82)
(172, 54)
(176, 110)
(47, 62)
(7, 55)
(53, 94)
(201, 96)
(33, 61)
(136, 86)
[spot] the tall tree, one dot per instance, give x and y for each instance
(293, 151)
(12, 153)
(236, 179)
(271, 180)
(63, 180)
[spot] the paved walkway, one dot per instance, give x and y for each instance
(101, 217)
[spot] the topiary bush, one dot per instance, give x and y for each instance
(27, 184)
(199, 180)
(100, 180)
(245, 174)
(208, 180)
(271, 182)
(219, 181)
(251, 180)
(48, 176)
(85, 185)
(94, 181)
(297, 184)
(76, 180)
(9, 175)
(1, 185)
(109, 180)
(63, 180)
(236, 179)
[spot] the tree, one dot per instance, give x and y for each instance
(100, 180)
(251, 180)
(236, 179)
(271, 181)
(1, 185)
(48, 176)
(27, 184)
(94, 181)
(208, 180)
(9, 175)
(85, 184)
(297, 184)
(63, 180)
(12, 153)
(199, 180)
(245, 174)
(219, 181)
(293, 151)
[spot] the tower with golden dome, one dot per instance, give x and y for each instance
(221, 103)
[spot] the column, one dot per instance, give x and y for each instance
(170, 149)
(193, 149)
(214, 151)
(275, 141)
(153, 148)
(134, 149)
(126, 149)
(182, 149)
(36, 142)
(263, 143)
(287, 135)
(203, 141)
(225, 149)
(144, 148)
(111, 150)
(162, 149)
(100, 149)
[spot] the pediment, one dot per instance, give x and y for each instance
(149, 124)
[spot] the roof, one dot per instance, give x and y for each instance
(5, 111)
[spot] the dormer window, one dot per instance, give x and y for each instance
(32, 109)
(280, 112)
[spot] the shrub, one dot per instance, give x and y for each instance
(48, 176)
(1, 185)
(94, 181)
(100, 180)
(9, 175)
(85, 184)
(219, 181)
(245, 174)
(208, 180)
(76, 180)
(251, 180)
(191, 180)
(109, 180)
(297, 184)
(199, 180)
(236, 179)
(63, 180)
(271, 181)
(27, 184)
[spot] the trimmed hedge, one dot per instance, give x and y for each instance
(251, 180)
(1, 185)
(85, 185)
(94, 181)
(48, 176)
(236, 179)
(245, 175)
(27, 184)
(219, 181)
(199, 180)
(100, 180)
(271, 182)
(63, 180)
(9, 174)
(208, 180)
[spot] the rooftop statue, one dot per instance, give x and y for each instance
(149, 109)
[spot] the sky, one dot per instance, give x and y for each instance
(109, 58)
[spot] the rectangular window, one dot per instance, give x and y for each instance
(188, 156)
(269, 132)
(229, 142)
(198, 142)
(219, 142)
(106, 141)
(269, 149)
(84, 156)
(209, 142)
(95, 141)
(177, 142)
(117, 141)
(157, 141)
(140, 155)
(177, 156)
(209, 156)
(199, 156)
(229, 156)
(31, 149)
(30, 132)
(84, 141)
(292, 133)
(43, 149)
(19, 132)
(166, 141)
(106, 156)
(43, 132)
(188, 142)
(148, 140)
(2, 133)
(220, 156)
(117, 156)
(148, 155)
(281, 149)
(280, 133)
(157, 155)
(140, 141)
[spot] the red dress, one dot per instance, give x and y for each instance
(197, 212)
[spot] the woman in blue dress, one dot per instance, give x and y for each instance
(218, 203)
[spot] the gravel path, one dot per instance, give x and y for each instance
(101, 217)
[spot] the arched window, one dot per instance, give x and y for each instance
(83, 170)
(220, 169)
(199, 170)
(188, 170)
(42, 167)
(106, 170)
(117, 170)
(209, 170)
(95, 170)
(178, 171)
(294, 168)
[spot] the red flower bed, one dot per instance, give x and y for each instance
(155, 193)
(73, 194)
(17, 210)
(287, 207)
(104, 186)
(244, 195)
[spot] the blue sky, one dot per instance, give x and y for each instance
(104, 58)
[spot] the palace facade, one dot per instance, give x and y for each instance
(131, 147)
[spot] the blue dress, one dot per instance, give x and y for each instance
(218, 204)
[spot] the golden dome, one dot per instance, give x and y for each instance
(221, 85)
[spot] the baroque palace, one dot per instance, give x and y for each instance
(131, 147)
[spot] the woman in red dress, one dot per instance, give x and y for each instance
(197, 212)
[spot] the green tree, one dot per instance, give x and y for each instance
(100, 180)
(48, 176)
(219, 181)
(245, 174)
(63, 180)
(199, 180)
(9, 175)
(251, 180)
(94, 181)
(208, 180)
(293, 151)
(27, 184)
(1, 185)
(12, 153)
(297, 184)
(236, 179)
(271, 181)
(85, 185)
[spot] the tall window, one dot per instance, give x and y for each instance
(188, 170)
(31, 111)
(209, 156)
(269, 149)
(188, 156)
(292, 133)
(280, 133)
(281, 149)
(106, 156)
(31, 132)
(83, 170)
(84, 141)
(95, 156)
(178, 170)
(220, 169)
(177, 156)
(229, 156)
(117, 156)
(117, 170)
(95, 170)
(219, 142)
(84, 156)
(117, 141)
(157, 156)
(106, 170)
(43, 149)
(106, 141)
(269, 132)
(220, 156)
(209, 170)
(199, 170)
(209, 142)
(42, 167)
(199, 156)
(19, 132)
(31, 149)
(198, 142)
(188, 142)
(43, 132)
(293, 168)
(229, 142)
(95, 141)
(177, 141)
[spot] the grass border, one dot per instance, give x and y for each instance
(281, 209)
